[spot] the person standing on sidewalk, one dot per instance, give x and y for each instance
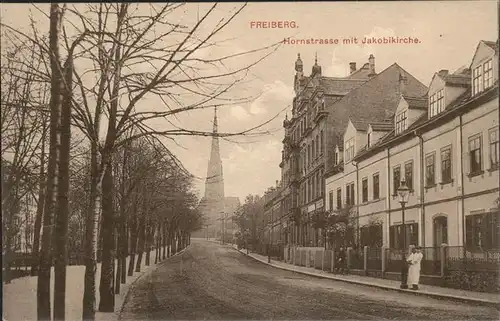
(342, 261)
(414, 261)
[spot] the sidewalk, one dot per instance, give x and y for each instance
(479, 298)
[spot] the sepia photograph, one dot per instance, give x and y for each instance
(299, 160)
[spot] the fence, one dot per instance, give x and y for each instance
(394, 260)
(458, 267)
(431, 261)
(356, 261)
(461, 258)
(374, 259)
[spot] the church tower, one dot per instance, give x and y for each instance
(214, 205)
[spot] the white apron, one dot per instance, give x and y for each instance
(414, 269)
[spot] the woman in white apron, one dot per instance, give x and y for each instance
(414, 261)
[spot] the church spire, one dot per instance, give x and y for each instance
(214, 185)
(215, 120)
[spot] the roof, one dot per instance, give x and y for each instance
(362, 126)
(377, 99)
(382, 126)
(416, 103)
(339, 86)
(460, 80)
(492, 44)
(421, 121)
(361, 73)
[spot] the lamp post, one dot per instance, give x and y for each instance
(403, 192)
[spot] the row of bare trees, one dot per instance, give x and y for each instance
(82, 138)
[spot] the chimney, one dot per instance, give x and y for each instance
(352, 66)
(443, 72)
(371, 63)
(402, 82)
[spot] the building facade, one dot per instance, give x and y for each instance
(308, 134)
(444, 145)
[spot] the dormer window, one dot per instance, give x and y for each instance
(401, 122)
(477, 80)
(488, 74)
(482, 77)
(349, 149)
(369, 139)
(436, 104)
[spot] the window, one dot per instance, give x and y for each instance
(339, 198)
(349, 200)
(317, 146)
(308, 155)
(313, 151)
(477, 80)
(493, 134)
(349, 149)
(396, 179)
(400, 122)
(313, 187)
(409, 175)
(365, 189)
(432, 105)
(482, 231)
(396, 237)
(322, 148)
(488, 74)
(475, 154)
(429, 170)
(369, 139)
(318, 185)
(322, 182)
(376, 187)
(336, 158)
(330, 200)
(308, 193)
(446, 165)
(440, 101)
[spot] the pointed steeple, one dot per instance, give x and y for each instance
(214, 184)
(316, 69)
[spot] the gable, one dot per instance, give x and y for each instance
(436, 84)
(482, 53)
(402, 106)
(350, 131)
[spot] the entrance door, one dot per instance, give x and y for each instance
(440, 230)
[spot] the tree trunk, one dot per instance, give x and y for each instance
(140, 247)
(91, 239)
(106, 286)
(39, 209)
(62, 206)
(164, 239)
(43, 285)
(179, 241)
(169, 241)
(133, 243)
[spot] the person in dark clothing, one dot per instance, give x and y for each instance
(341, 261)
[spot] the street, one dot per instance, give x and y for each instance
(209, 281)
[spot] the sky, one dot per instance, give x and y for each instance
(448, 34)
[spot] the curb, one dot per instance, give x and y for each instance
(150, 268)
(388, 288)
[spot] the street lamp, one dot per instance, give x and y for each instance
(403, 193)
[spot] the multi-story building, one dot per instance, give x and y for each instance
(308, 134)
(444, 145)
